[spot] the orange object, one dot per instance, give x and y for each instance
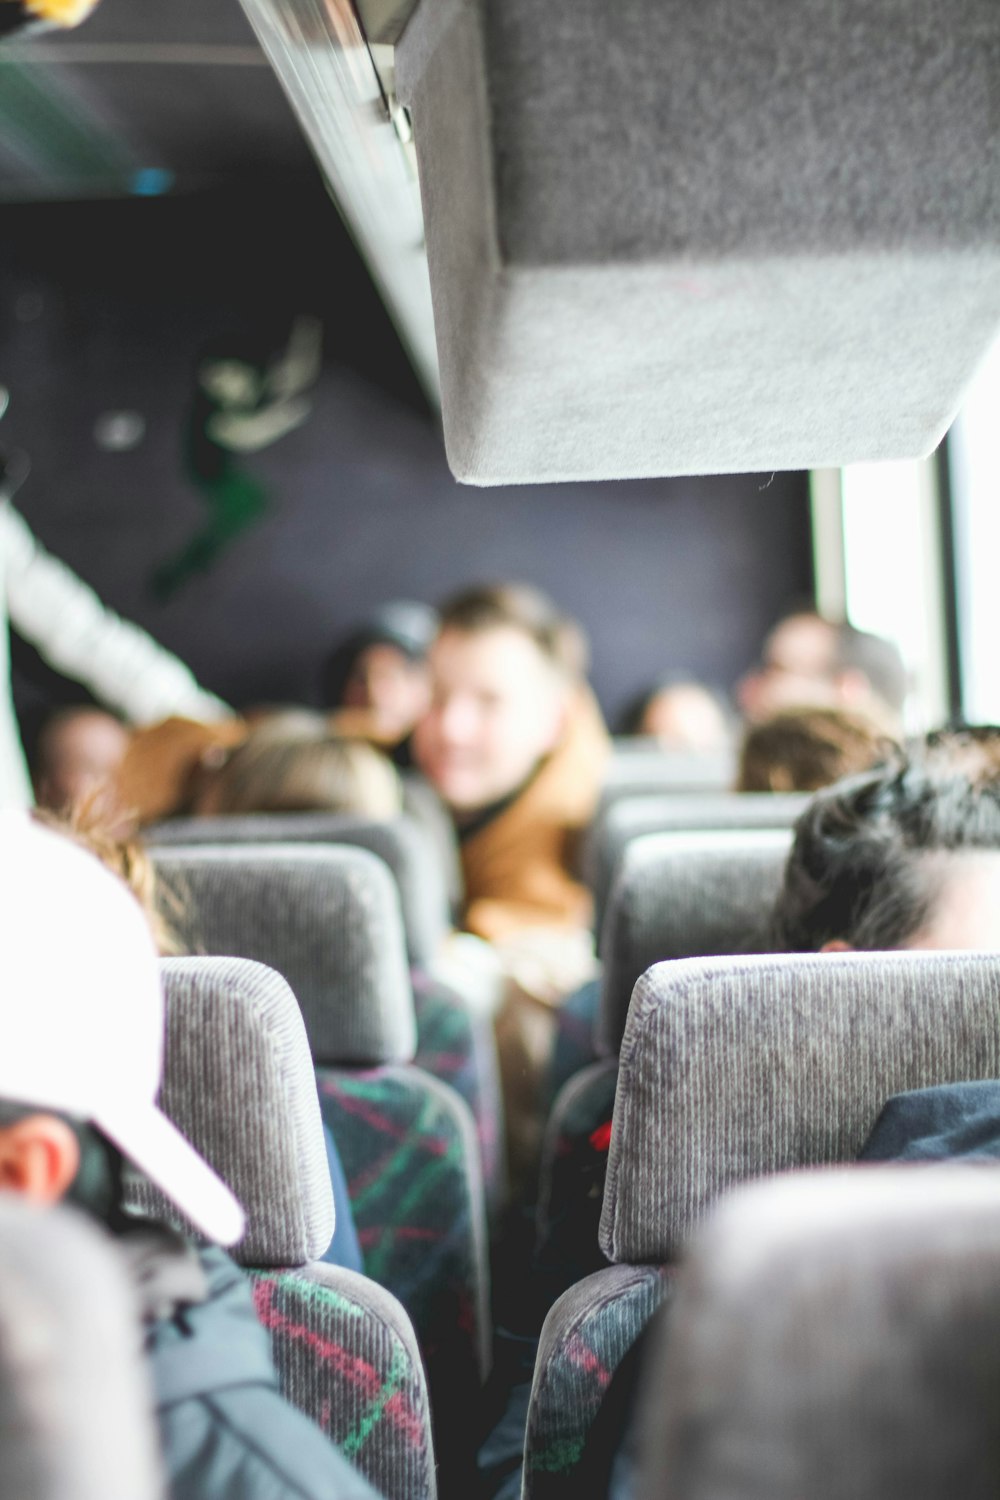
(157, 774)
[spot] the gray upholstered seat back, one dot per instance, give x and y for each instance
(630, 817)
(737, 1068)
(326, 917)
(685, 895)
(836, 1335)
(404, 846)
(643, 262)
(75, 1405)
(640, 765)
(238, 1081)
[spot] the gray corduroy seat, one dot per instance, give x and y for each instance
(401, 843)
(76, 1417)
(676, 895)
(732, 1069)
(647, 259)
(453, 1041)
(238, 1081)
(328, 919)
(642, 765)
(685, 895)
(631, 817)
(836, 1335)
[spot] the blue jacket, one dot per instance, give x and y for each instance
(226, 1431)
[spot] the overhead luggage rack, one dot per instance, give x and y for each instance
(669, 239)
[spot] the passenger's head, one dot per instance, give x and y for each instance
(271, 775)
(77, 753)
(382, 668)
(503, 670)
(682, 715)
(905, 856)
(804, 749)
(81, 1016)
(808, 661)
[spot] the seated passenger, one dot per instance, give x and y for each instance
(682, 715)
(78, 750)
(515, 745)
(376, 680)
(906, 856)
(803, 749)
(812, 662)
(273, 775)
(164, 909)
(82, 1016)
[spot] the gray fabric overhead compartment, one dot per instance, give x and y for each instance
(669, 237)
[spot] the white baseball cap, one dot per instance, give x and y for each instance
(81, 1013)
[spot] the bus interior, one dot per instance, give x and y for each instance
(641, 333)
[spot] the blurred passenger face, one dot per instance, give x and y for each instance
(685, 717)
(497, 708)
(393, 687)
(797, 670)
(78, 754)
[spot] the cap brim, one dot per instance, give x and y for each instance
(155, 1145)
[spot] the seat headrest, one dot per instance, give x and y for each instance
(75, 1404)
(630, 817)
(238, 1081)
(404, 846)
(643, 766)
(685, 895)
(737, 1068)
(326, 917)
(836, 1335)
(644, 263)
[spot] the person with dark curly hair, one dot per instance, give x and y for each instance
(804, 749)
(904, 856)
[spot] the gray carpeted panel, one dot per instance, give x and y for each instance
(404, 846)
(834, 1335)
(326, 917)
(685, 895)
(238, 1081)
(738, 1068)
(670, 239)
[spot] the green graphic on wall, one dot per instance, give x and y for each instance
(239, 409)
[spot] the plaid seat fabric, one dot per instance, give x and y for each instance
(345, 1350)
(407, 1145)
(585, 1337)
